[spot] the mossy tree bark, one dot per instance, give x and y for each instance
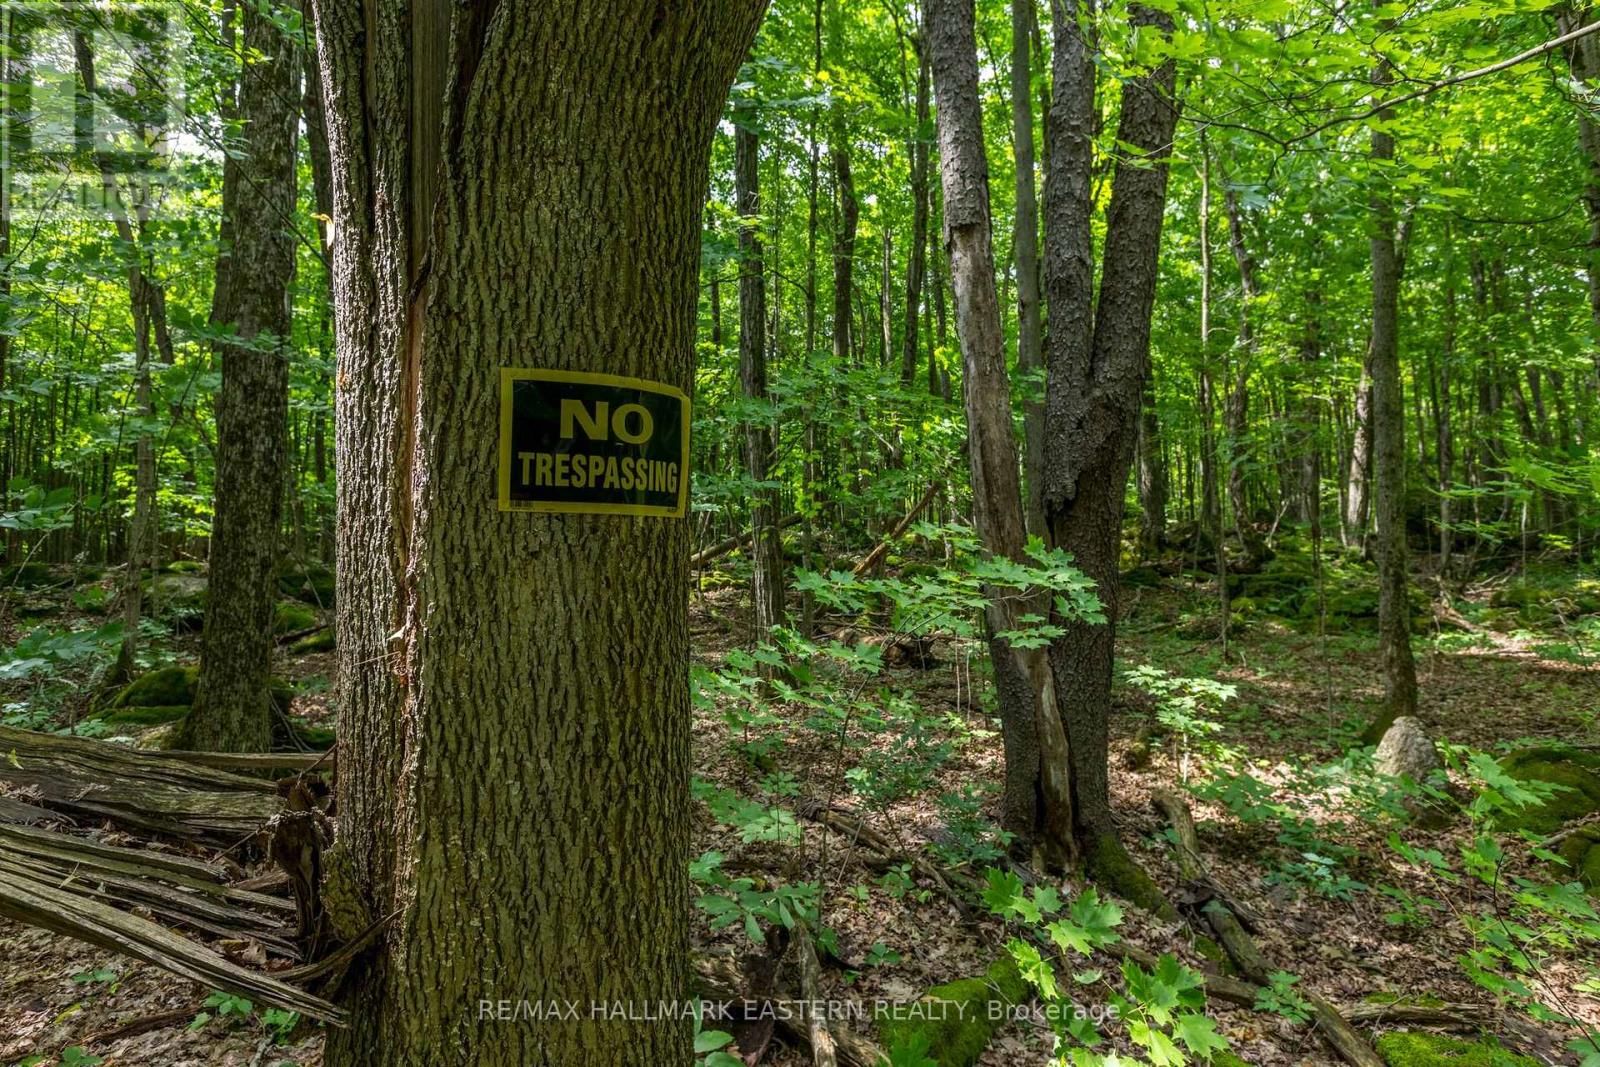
(1099, 355)
(515, 185)
(232, 710)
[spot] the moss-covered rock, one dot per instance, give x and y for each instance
(312, 583)
(291, 615)
(321, 641)
(952, 1023)
(178, 598)
(1411, 1048)
(185, 566)
(146, 716)
(1576, 770)
(27, 576)
(1582, 853)
(163, 688)
(1141, 577)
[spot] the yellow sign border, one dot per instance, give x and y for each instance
(508, 375)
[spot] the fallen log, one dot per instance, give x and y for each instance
(1237, 942)
(246, 762)
(728, 544)
(36, 902)
(875, 557)
(136, 789)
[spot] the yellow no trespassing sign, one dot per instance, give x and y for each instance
(592, 443)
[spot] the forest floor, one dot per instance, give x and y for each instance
(1282, 827)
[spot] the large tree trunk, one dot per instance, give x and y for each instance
(766, 581)
(1037, 802)
(1389, 444)
(514, 186)
(1025, 243)
(1097, 363)
(232, 710)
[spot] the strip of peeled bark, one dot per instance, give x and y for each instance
(1037, 805)
(232, 711)
(515, 185)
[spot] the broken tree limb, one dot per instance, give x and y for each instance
(823, 1050)
(38, 903)
(858, 831)
(728, 544)
(875, 557)
(719, 979)
(1241, 948)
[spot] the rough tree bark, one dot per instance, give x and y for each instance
(515, 185)
(766, 580)
(232, 710)
(1037, 802)
(1389, 442)
(1098, 355)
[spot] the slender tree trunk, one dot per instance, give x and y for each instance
(1152, 474)
(142, 524)
(232, 710)
(1097, 361)
(1583, 59)
(1025, 245)
(847, 215)
(514, 768)
(1389, 444)
(917, 258)
(766, 590)
(1037, 801)
(1238, 406)
(1445, 404)
(1359, 467)
(1211, 458)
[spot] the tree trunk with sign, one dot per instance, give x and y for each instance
(513, 188)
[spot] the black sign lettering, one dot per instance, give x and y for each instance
(592, 443)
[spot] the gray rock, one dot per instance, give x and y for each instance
(1406, 751)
